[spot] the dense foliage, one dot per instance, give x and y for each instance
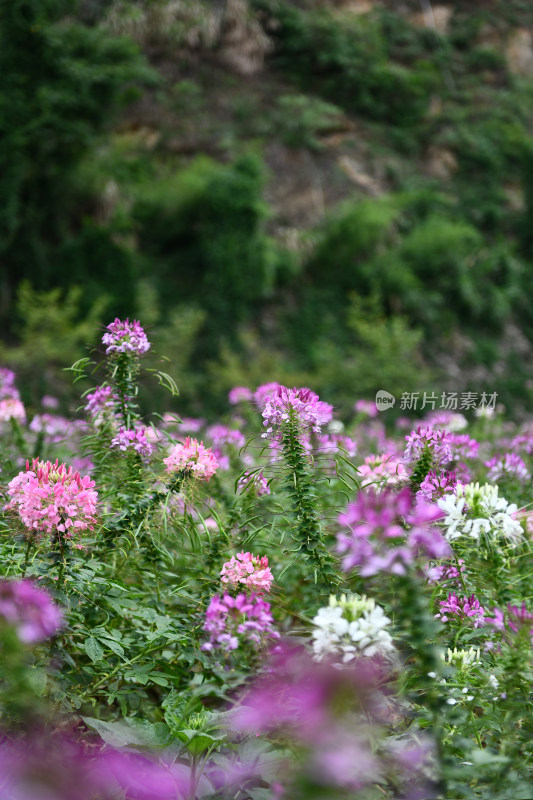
(152, 150)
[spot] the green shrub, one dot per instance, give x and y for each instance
(61, 83)
(347, 63)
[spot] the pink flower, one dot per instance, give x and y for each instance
(382, 469)
(133, 438)
(192, 458)
(252, 571)
(301, 405)
(125, 337)
(12, 408)
(231, 621)
(51, 497)
(239, 394)
(367, 407)
(30, 610)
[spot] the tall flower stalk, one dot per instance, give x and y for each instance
(289, 415)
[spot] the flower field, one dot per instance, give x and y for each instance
(274, 604)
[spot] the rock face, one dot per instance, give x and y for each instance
(433, 16)
(519, 52)
(242, 44)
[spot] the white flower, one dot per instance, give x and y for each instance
(350, 626)
(487, 514)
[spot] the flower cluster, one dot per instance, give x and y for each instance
(476, 510)
(436, 442)
(382, 470)
(230, 621)
(301, 405)
(30, 610)
(463, 446)
(192, 458)
(377, 539)
(56, 428)
(101, 404)
(349, 627)
(132, 439)
(51, 497)
(124, 336)
(515, 620)
(248, 570)
(436, 484)
(12, 408)
(463, 609)
(55, 767)
(508, 465)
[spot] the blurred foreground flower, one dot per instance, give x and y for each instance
(30, 610)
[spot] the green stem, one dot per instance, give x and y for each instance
(27, 557)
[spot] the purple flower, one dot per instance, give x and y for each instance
(516, 619)
(301, 405)
(263, 391)
(233, 620)
(508, 465)
(463, 609)
(437, 442)
(54, 767)
(30, 610)
(8, 389)
(133, 438)
(101, 402)
(387, 532)
(221, 435)
(436, 484)
(125, 337)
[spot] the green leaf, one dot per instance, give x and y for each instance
(93, 649)
(130, 732)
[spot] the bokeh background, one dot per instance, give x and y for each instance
(330, 194)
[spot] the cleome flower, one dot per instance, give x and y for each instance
(192, 458)
(248, 570)
(462, 609)
(232, 621)
(133, 439)
(349, 627)
(476, 510)
(30, 610)
(51, 497)
(125, 337)
(284, 404)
